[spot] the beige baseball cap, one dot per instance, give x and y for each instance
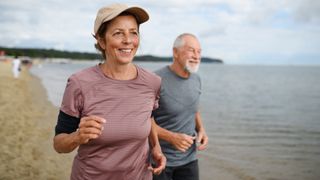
(108, 13)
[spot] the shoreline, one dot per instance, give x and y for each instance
(28, 130)
(243, 154)
(28, 121)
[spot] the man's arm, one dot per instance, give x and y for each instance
(202, 137)
(181, 142)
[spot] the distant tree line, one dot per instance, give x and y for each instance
(52, 53)
(49, 53)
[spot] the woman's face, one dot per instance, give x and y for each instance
(121, 39)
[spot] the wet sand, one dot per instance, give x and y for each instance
(26, 131)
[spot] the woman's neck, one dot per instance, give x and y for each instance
(119, 72)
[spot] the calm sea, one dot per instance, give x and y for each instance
(263, 121)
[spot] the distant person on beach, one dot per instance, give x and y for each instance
(16, 62)
(106, 109)
(181, 131)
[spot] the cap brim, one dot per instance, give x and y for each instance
(141, 15)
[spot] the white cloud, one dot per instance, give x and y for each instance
(236, 31)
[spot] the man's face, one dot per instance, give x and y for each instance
(189, 55)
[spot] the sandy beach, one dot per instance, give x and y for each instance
(26, 131)
(28, 121)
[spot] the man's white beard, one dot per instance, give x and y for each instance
(191, 69)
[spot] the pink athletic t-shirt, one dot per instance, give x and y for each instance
(122, 151)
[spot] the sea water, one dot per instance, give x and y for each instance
(263, 122)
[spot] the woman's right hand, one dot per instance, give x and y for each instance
(90, 127)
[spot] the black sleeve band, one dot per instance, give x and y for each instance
(66, 123)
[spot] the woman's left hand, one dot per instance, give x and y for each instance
(159, 159)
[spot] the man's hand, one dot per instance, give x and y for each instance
(182, 142)
(202, 139)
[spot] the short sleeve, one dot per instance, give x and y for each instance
(156, 102)
(72, 102)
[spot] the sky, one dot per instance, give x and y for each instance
(236, 31)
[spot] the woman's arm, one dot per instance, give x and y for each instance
(89, 128)
(65, 143)
(157, 155)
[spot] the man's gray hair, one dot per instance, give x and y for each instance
(179, 42)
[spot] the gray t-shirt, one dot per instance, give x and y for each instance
(178, 104)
